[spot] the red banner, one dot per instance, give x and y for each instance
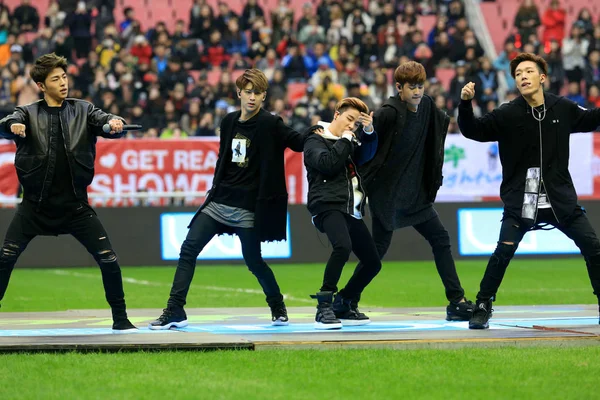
(9, 184)
(596, 167)
(154, 165)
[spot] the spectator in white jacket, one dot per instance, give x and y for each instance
(574, 51)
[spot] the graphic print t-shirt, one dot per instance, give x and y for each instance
(239, 186)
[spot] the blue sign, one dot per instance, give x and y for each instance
(479, 229)
(173, 230)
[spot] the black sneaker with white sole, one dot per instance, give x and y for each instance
(279, 315)
(481, 315)
(354, 307)
(460, 311)
(347, 312)
(325, 317)
(170, 318)
(123, 326)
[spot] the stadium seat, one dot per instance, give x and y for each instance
(236, 73)
(213, 76)
(195, 74)
(30, 36)
(445, 75)
(150, 12)
(500, 16)
(295, 91)
(426, 23)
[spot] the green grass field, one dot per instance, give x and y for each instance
(414, 284)
(506, 373)
(499, 373)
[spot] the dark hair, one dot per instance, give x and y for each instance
(539, 61)
(46, 64)
(410, 72)
(524, 10)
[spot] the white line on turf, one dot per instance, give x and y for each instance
(161, 284)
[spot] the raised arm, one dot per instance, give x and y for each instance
(368, 138)
(327, 161)
(484, 129)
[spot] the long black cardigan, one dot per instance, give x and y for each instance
(273, 137)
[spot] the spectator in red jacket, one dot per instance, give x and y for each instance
(141, 50)
(215, 54)
(554, 23)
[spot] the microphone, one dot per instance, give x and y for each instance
(106, 128)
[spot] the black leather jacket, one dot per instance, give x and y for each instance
(81, 123)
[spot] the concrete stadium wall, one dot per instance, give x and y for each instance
(135, 235)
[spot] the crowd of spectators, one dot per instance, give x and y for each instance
(572, 52)
(161, 78)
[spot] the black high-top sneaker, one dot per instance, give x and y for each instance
(347, 312)
(123, 326)
(481, 315)
(460, 311)
(354, 306)
(279, 315)
(325, 317)
(170, 318)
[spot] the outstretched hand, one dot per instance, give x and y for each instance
(116, 126)
(18, 129)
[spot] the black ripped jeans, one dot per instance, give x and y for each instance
(81, 221)
(512, 231)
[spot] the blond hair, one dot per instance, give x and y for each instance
(254, 76)
(351, 102)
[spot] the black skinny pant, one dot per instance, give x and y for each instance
(203, 229)
(347, 234)
(434, 232)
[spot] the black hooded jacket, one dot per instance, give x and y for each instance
(523, 142)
